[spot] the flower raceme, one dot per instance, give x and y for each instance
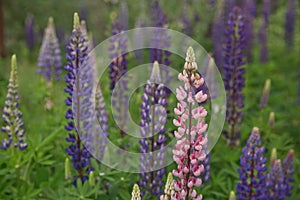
(288, 170)
(49, 60)
(160, 40)
(188, 153)
(153, 119)
(233, 73)
(275, 181)
(79, 78)
(252, 169)
(118, 76)
(12, 116)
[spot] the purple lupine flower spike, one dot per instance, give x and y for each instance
(266, 10)
(263, 41)
(154, 117)
(250, 6)
(263, 32)
(123, 14)
(250, 10)
(288, 170)
(12, 116)
(79, 79)
(233, 73)
(49, 60)
(118, 66)
(118, 69)
(160, 40)
(100, 134)
(252, 171)
(218, 35)
(30, 32)
(188, 153)
(275, 181)
(290, 22)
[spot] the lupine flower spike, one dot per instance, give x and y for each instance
(135, 195)
(96, 139)
(123, 14)
(49, 60)
(154, 117)
(275, 181)
(288, 170)
(263, 33)
(266, 10)
(271, 121)
(160, 40)
(250, 9)
(118, 69)
(30, 32)
(218, 35)
(100, 134)
(265, 94)
(79, 79)
(190, 134)
(12, 116)
(290, 21)
(252, 169)
(169, 188)
(233, 73)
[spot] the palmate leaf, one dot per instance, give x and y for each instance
(82, 191)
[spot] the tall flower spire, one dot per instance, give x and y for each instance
(275, 181)
(218, 34)
(79, 79)
(154, 117)
(160, 40)
(252, 169)
(12, 116)
(124, 14)
(30, 32)
(49, 60)
(188, 153)
(263, 32)
(100, 134)
(233, 73)
(263, 41)
(290, 21)
(118, 69)
(288, 170)
(250, 10)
